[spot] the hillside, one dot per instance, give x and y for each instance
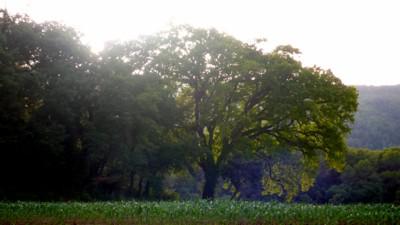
(377, 121)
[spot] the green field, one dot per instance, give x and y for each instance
(195, 212)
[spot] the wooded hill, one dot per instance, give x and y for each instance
(377, 122)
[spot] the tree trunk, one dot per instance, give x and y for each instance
(211, 175)
(146, 193)
(139, 191)
(131, 183)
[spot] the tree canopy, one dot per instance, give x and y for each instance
(238, 98)
(116, 123)
(73, 123)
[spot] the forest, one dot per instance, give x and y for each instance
(185, 114)
(376, 122)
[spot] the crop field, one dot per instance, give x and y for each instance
(195, 212)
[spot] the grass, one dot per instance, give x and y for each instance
(195, 212)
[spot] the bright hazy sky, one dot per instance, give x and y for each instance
(359, 40)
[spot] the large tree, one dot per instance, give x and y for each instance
(238, 98)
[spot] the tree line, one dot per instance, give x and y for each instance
(124, 122)
(369, 176)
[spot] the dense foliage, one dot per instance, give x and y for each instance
(376, 125)
(73, 123)
(196, 212)
(369, 176)
(239, 100)
(185, 113)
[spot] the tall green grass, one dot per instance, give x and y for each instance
(195, 212)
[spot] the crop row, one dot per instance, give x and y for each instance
(196, 212)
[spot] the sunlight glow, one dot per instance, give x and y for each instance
(358, 40)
